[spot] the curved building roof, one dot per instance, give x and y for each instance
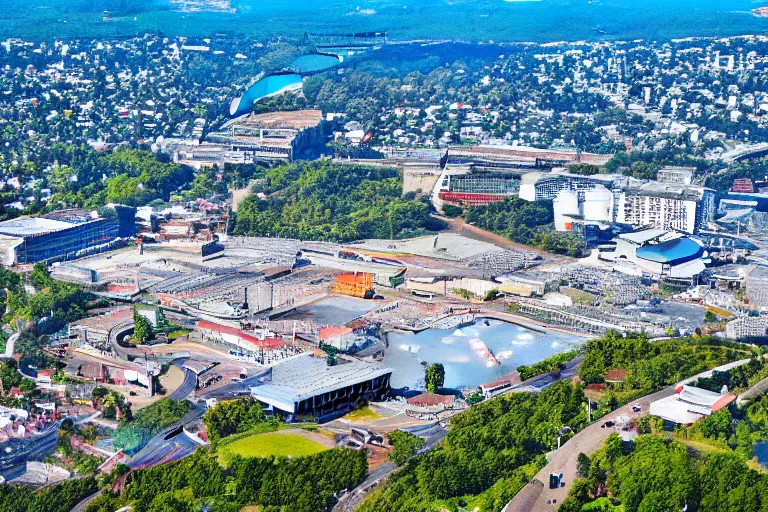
(678, 250)
(271, 85)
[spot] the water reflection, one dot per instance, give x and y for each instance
(471, 355)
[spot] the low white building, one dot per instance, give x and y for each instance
(689, 404)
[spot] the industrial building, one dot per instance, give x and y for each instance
(305, 387)
(689, 404)
(64, 234)
(676, 175)
(525, 155)
(665, 206)
(477, 187)
(261, 348)
(537, 186)
(281, 136)
(484, 174)
(96, 329)
(748, 328)
(609, 198)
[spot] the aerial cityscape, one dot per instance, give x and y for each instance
(466, 256)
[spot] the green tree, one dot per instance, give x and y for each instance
(614, 446)
(582, 465)
(434, 377)
(142, 328)
(404, 446)
(232, 417)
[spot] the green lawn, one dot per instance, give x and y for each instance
(274, 443)
(362, 414)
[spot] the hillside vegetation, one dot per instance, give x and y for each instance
(325, 201)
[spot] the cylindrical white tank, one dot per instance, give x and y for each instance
(566, 205)
(597, 204)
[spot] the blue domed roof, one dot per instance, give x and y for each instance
(677, 250)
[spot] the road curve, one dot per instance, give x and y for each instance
(537, 497)
(431, 433)
(187, 387)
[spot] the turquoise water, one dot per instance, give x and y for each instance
(512, 345)
(466, 20)
(314, 63)
(275, 84)
(267, 86)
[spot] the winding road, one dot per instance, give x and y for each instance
(432, 434)
(537, 497)
(188, 386)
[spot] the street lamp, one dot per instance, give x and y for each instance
(560, 433)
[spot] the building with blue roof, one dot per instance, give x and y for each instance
(659, 252)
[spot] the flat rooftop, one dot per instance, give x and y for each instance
(106, 321)
(296, 120)
(30, 226)
(644, 236)
(304, 376)
(451, 246)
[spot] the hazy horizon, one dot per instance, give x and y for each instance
(463, 20)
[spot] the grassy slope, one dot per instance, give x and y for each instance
(263, 445)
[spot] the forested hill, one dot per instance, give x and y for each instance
(335, 202)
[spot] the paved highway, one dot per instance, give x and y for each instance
(157, 449)
(537, 497)
(538, 383)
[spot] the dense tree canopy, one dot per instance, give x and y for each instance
(550, 364)
(490, 452)
(404, 446)
(524, 222)
(653, 365)
(324, 201)
(61, 497)
(54, 304)
(303, 484)
(652, 474)
(232, 417)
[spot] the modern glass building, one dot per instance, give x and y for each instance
(64, 234)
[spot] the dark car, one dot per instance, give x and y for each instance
(608, 424)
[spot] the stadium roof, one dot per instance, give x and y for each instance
(304, 376)
(677, 250)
